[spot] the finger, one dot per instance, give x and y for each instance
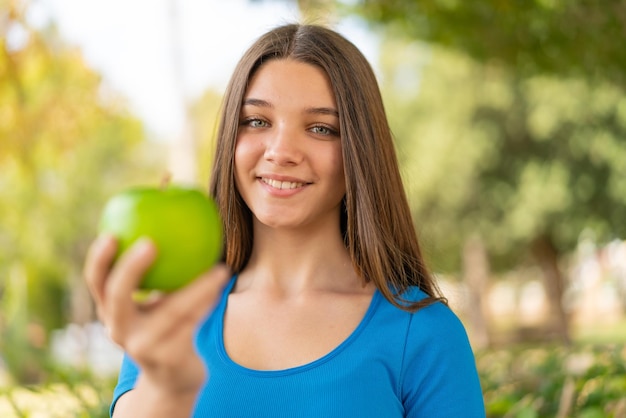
(98, 264)
(173, 319)
(123, 280)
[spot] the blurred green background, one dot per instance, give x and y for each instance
(510, 124)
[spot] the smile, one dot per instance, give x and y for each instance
(281, 185)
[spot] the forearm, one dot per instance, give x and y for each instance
(148, 400)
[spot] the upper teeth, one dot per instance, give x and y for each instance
(282, 184)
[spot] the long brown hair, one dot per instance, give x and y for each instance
(376, 220)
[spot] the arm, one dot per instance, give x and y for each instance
(129, 401)
(158, 335)
(149, 400)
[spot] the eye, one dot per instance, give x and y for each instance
(254, 123)
(257, 123)
(324, 130)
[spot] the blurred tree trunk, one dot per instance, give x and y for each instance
(547, 256)
(183, 158)
(183, 164)
(476, 277)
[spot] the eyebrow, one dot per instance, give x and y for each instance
(313, 110)
(323, 111)
(257, 102)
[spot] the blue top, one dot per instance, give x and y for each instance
(394, 364)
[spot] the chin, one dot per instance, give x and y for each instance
(280, 224)
(275, 222)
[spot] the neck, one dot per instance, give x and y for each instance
(291, 262)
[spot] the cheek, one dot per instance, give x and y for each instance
(246, 155)
(336, 170)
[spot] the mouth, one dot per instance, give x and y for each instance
(281, 185)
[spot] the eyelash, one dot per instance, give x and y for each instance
(329, 131)
(251, 122)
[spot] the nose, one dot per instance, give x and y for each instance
(284, 146)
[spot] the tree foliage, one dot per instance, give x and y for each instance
(570, 38)
(509, 158)
(66, 143)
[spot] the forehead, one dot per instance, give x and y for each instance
(292, 82)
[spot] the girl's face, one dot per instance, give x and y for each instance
(288, 162)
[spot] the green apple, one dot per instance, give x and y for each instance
(183, 223)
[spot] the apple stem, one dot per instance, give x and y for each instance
(165, 181)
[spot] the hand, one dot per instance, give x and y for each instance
(159, 334)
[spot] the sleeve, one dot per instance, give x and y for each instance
(125, 381)
(439, 376)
